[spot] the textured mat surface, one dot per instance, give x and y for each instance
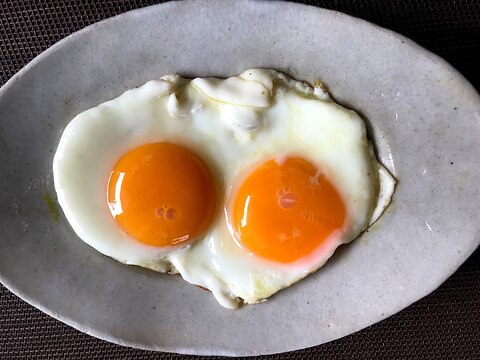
(444, 325)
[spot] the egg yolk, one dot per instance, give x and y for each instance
(161, 194)
(285, 210)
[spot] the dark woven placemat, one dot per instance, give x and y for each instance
(444, 325)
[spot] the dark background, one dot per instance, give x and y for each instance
(444, 325)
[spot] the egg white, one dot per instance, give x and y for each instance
(233, 125)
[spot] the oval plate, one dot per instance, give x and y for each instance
(423, 116)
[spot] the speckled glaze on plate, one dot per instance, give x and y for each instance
(423, 116)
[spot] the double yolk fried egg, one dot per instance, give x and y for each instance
(242, 185)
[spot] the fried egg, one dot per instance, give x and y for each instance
(242, 185)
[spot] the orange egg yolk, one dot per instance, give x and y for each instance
(161, 194)
(284, 211)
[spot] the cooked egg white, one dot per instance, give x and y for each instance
(234, 125)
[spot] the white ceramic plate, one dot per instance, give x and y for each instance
(423, 116)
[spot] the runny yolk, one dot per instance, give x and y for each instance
(284, 211)
(161, 194)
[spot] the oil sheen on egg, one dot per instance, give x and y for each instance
(242, 185)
